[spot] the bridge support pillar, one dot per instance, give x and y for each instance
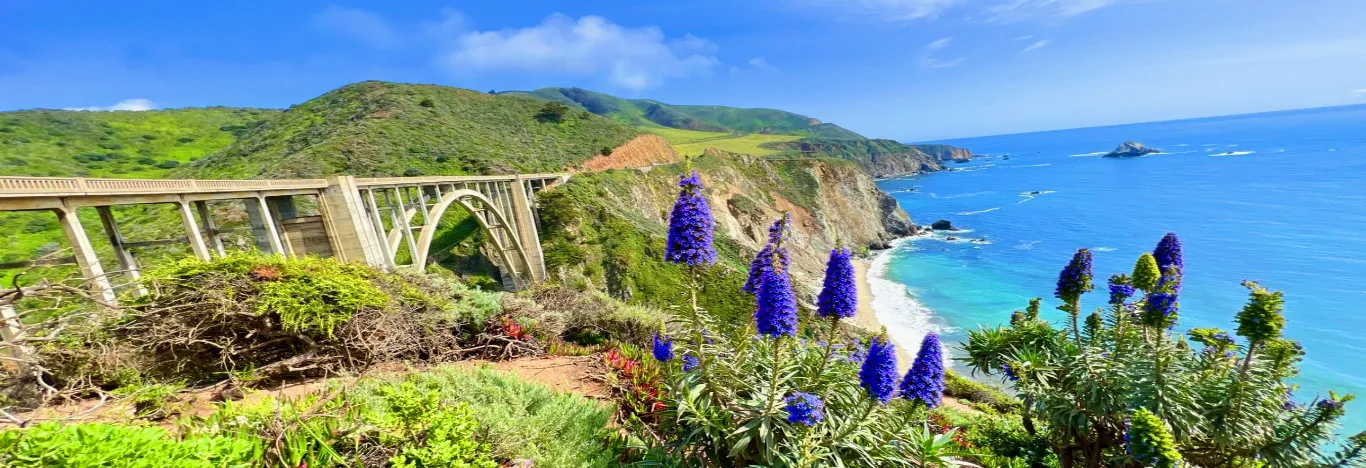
(525, 219)
(263, 226)
(127, 263)
(348, 225)
(85, 255)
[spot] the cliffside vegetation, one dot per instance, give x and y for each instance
(715, 119)
(378, 128)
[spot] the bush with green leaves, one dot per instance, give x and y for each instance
(1093, 388)
(95, 445)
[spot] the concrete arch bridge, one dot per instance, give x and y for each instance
(366, 220)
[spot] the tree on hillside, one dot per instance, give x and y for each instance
(552, 112)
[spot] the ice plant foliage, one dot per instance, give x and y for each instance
(878, 374)
(773, 254)
(804, 408)
(663, 348)
(691, 226)
(775, 313)
(925, 381)
(839, 293)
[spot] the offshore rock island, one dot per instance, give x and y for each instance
(1131, 149)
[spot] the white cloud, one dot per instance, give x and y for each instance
(632, 58)
(1020, 10)
(134, 105)
(1039, 44)
(888, 10)
(1359, 92)
(929, 61)
(938, 44)
(362, 25)
(1024, 38)
(932, 63)
(761, 64)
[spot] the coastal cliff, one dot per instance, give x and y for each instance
(607, 229)
(881, 158)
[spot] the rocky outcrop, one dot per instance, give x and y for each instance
(943, 225)
(1131, 149)
(945, 152)
(881, 158)
(830, 201)
(644, 150)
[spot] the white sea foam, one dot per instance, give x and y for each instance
(1034, 165)
(906, 319)
(1233, 153)
(1086, 155)
(970, 213)
(965, 195)
(1030, 195)
(902, 190)
(1104, 249)
(1026, 245)
(1182, 144)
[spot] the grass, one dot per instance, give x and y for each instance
(142, 145)
(692, 142)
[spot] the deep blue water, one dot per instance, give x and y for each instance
(1286, 208)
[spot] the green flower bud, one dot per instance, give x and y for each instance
(1150, 442)
(1146, 273)
(1261, 318)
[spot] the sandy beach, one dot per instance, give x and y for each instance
(866, 317)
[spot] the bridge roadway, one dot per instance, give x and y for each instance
(367, 220)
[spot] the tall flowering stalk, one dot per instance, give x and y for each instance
(690, 243)
(925, 381)
(775, 311)
(1260, 321)
(1169, 262)
(877, 376)
(691, 226)
(838, 297)
(1073, 281)
(773, 253)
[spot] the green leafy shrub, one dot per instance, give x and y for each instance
(518, 419)
(93, 445)
(427, 432)
(1221, 402)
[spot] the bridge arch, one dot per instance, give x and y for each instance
(493, 222)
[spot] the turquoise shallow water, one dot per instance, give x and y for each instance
(1279, 198)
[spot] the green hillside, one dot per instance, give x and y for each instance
(882, 158)
(648, 113)
(379, 128)
(117, 144)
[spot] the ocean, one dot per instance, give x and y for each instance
(1279, 198)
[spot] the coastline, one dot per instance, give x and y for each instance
(866, 316)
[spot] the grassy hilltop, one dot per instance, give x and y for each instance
(715, 119)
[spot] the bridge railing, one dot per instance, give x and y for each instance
(78, 186)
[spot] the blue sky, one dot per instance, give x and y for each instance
(904, 69)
